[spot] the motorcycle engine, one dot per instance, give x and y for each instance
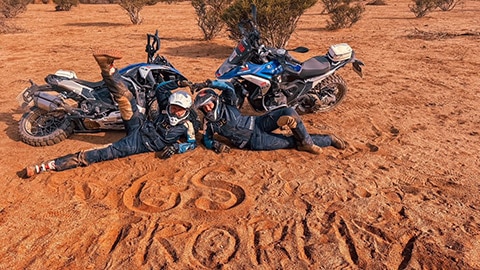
(293, 89)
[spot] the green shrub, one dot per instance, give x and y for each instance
(277, 19)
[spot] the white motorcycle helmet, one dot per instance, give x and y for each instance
(181, 99)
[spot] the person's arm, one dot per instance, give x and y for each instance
(228, 91)
(208, 137)
(164, 89)
(215, 145)
(163, 92)
(191, 142)
(181, 147)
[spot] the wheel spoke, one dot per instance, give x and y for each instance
(46, 124)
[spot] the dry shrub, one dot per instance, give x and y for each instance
(447, 5)
(65, 5)
(209, 13)
(377, 3)
(421, 7)
(133, 8)
(11, 8)
(344, 15)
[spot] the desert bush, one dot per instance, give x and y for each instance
(330, 5)
(344, 15)
(377, 3)
(11, 8)
(421, 7)
(209, 14)
(446, 5)
(65, 5)
(133, 8)
(277, 19)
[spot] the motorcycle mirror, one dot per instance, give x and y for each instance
(300, 49)
(153, 45)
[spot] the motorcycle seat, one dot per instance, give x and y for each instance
(315, 66)
(90, 84)
(55, 79)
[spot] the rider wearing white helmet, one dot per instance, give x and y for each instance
(173, 130)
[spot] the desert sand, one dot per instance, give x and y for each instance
(403, 195)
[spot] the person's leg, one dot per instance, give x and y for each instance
(271, 141)
(328, 140)
(289, 117)
(114, 82)
(127, 146)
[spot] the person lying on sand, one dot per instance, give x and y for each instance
(161, 135)
(253, 132)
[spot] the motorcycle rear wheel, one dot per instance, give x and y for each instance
(41, 128)
(325, 96)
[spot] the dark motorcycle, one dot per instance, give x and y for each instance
(66, 104)
(270, 78)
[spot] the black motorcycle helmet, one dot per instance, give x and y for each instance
(204, 97)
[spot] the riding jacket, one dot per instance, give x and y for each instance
(230, 123)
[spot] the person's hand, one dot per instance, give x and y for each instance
(199, 86)
(167, 152)
(219, 147)
(183, 83)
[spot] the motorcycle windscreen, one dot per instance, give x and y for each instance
(237, 58)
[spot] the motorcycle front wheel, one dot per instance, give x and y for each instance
(325, 96)
(41, 128)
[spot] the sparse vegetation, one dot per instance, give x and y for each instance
(343, 13)
(209, 14)
(446, 5)
(65, 5)
(133, 8)
(11, 8)
(377, 3)
(277, 19)
(421, 7)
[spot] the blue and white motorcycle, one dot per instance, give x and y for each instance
(66, 104)
(270, 78)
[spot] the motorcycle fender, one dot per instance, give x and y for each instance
(47, 101)
(264, 84)
(357, 67)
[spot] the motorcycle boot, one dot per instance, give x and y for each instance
(113, 80)
(105, 59)
(337, 142)
(304, 141)
(37, 169)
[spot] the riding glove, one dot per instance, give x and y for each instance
(167, 152)
(219, 147)
(182, 83)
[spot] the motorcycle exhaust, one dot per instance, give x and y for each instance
(48, 102)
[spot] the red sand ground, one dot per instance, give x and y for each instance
(404, 195)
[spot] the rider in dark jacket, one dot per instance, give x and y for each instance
(253, 132)
(161, 135)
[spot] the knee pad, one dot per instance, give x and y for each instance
(125, 107)
(286, 120)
